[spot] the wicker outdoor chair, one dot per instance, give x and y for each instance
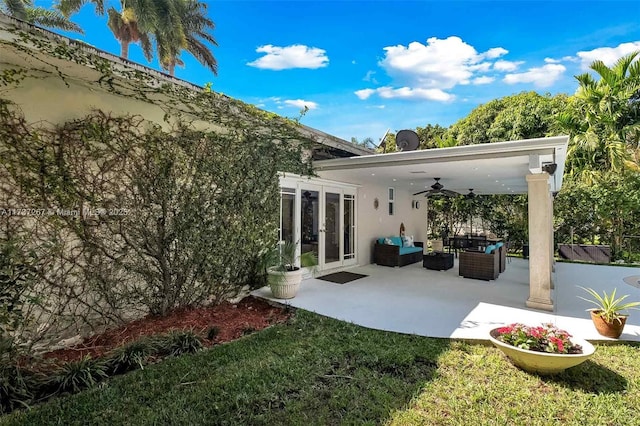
(479, 265)
(503, 256)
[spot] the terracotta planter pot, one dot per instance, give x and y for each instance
(608, 329)
(284, 285)
(542, 363)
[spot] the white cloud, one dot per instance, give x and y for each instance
(608, 55)
(483, 80)
(370, 77)
(364, 93)
(551, 61)
(294, 56)
(507, 66)
(440, 63)
(388, 92)
(543, 76)
(495, 52)
(300, 103)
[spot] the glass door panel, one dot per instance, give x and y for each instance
(332, 233)
(309, 221)
(287, 214)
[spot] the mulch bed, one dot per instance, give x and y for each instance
(232, 321)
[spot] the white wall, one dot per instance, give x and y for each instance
(375, 223)
(51, 100)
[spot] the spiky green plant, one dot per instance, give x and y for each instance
(178, 342)
(78, 375)
(131, 356)
(608, 306)
(283, 258)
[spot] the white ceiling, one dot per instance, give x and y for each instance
(496, 168)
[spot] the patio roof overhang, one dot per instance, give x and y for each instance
(491, 168)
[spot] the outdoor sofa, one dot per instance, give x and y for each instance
(395, 254)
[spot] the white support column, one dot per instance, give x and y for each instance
(540, 242)
(552, 246)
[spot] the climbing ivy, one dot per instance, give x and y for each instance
(138, 219)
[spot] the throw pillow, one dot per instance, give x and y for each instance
(408, 241)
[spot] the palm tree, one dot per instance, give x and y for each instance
(604, 118)
(26, 11)
(176, 25)
(135, 20)
(195, 25)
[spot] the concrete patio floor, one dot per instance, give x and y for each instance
(429, 303)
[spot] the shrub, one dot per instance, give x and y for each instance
(141, 219)
(15, 387)
(178, 342)
(78, 375)
(130, 357)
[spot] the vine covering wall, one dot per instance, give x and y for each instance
(120, 217)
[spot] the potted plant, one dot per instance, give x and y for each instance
(284, 276)
(607, 316)
(543, 349)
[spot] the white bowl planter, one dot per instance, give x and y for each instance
(284, 285)
(543, 363)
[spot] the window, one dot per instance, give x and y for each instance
(391, 200)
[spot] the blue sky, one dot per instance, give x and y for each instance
(364, 66)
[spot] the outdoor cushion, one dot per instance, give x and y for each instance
(407, 250)
(407, 241)
(500, 244)
(397, 241)
(490, 249)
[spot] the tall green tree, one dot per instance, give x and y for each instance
(431, 136)
(26, 11)
(603, 120)
(196, 27)
(520, 116)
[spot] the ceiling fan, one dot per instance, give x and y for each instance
(438, 188)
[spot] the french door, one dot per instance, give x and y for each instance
(322, 218)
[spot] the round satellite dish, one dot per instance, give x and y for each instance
(407, 140)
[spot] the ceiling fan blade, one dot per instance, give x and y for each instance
(450, 193)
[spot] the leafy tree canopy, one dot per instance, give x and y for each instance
(521, 116)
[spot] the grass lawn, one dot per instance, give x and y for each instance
(315, 370)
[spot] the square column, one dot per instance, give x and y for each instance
(540, 242)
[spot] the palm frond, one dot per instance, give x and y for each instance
(51, 18)
(203, 54)
(607, 75)
(622, 65)
(69, 7)
(147, 46)
(15, 8)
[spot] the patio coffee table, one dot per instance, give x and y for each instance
(438, 261)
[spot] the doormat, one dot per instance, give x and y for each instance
(342, 277)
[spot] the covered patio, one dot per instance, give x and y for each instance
(534, 167)
(419, 301)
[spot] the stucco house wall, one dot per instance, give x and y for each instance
(375, 223)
